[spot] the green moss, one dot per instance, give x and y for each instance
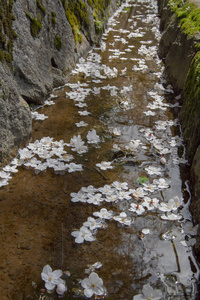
(79, 35)
(53, 17)
(40, 6)
(7, 34)
(189, 15)
(90, 2)
(191, 106)
(74, 24)
(79, 10)
(77, 15)
(35, 24)
(189, 20)
(192, 86)
(98, 24)
(5, 56)
(99, 7)
(58, 42)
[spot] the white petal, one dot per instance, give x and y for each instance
(94, 278)
(85, 283)
(61, 289)
(49, 286)
(57, 274)
(88, 293)
(147, 290)
(138, 297)
(75, 233)
(89, 238)
(79, 240)
(99, 290)
(47, 270)
(44, 276)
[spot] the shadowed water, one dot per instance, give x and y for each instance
(135, 131)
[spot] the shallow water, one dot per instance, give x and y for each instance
(121, 85)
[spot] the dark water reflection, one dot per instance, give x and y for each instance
(38, 215)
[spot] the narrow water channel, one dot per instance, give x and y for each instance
(101, 190)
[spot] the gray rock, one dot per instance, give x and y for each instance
(175, 48)
(34, 57)
(15, 116)
(39, 64)
(178, 50)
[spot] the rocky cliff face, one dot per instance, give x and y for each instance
(176, 48)
(35, 56)
(45, 39)
(179, 48)
(15, 117)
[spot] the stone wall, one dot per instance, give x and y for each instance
(179, 48)
(43, 47)
(176, 48)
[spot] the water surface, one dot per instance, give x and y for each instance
(136, 133)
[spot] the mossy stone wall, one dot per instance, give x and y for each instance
(35, 24)
(78, 16)
(186, 41)
(190, 114)
(37, 50)
(179, 47)
(7, 34)
(188, 15)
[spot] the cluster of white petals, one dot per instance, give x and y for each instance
(37, 116)
(104, 165)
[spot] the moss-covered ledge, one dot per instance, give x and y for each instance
(187, 13)
(190, 119)
(180, 47)
(180, 39)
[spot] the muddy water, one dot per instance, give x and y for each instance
(120, 85)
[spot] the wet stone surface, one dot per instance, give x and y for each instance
(101, 191)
